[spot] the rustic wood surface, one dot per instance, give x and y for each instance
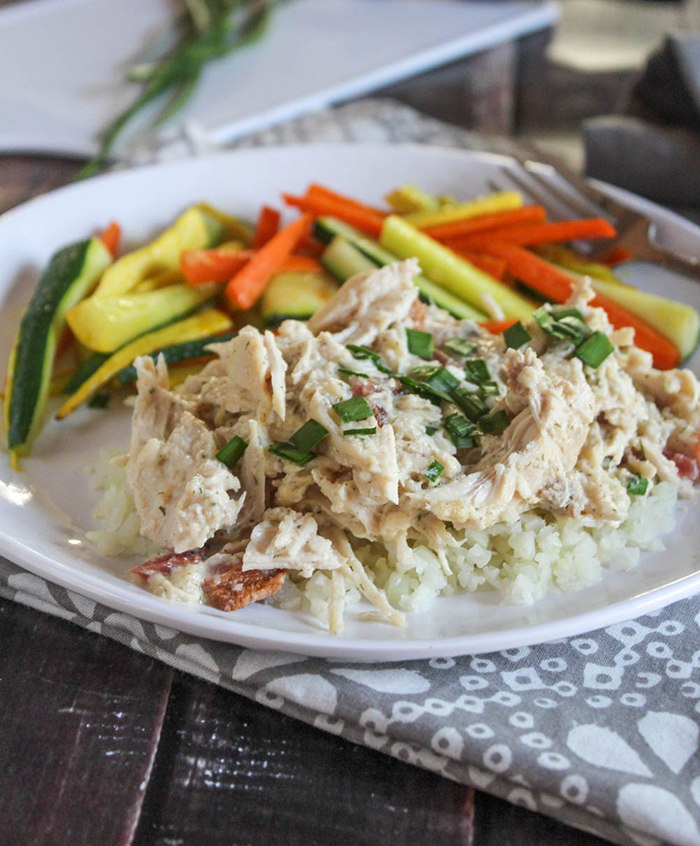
(102, 746)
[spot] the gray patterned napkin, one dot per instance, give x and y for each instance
(601, 732)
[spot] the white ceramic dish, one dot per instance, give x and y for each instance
(45, 510)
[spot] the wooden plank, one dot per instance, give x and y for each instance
(498, 823)
(23, 177)
(230, 771)
(80, 718)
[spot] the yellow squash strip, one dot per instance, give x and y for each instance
(234, 229)
(451, 272)
(201, 325)
(501, 201)
(104, 324)
(408, 198)
(195, 229)
(569, 260)
(159, 280)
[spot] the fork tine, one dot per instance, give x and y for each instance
(554, 210)
(581, 209)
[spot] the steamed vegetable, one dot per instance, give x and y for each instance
(201, 325)
(450, 271)
(71, 273)
(501, 201)
(295, 295)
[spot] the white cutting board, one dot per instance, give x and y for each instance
(63, 62)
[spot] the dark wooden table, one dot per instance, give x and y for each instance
(101, 746)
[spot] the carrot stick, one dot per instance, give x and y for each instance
(111, 237)
(495, 327)
(541, 233)
(251, 280)
(300, 264)
(369, 222)
(460, 228)
(615, 256)
(268, 225)
(309, 246)
(316, 191)
(202, 267)
(556, 285)
(493, 266)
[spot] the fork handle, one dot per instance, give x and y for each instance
(673, 261)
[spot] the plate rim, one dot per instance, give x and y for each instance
(207, 623)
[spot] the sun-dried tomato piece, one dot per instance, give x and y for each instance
(237, 587)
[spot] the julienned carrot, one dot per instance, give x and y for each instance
(369, 222)
(471, 225)
(557, 285)
(300, 264)
(615, 256)
(249, 283)
(202, 267)
(267, 226)
(495, 327)
(316, 191)
(540, 233)
(111, 237)
(309, 246)
(493, 266)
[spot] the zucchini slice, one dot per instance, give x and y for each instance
(448, 270)
(70, 275)
(295, 295)
(200, 325)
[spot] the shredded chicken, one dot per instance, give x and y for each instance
(573, 438)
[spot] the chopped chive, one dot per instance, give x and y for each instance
(594, 349)
(460, 346)
(420, 343)
(353, 409)
(477, 371)
(637, 486)
(365, 354)
(231, 452)
(369, 431)
(496, 422)
(433, 471)
(346, 372)
(100, 400)
(436, 376)
(470, 403)
(291, 453)
(424, 390)
(431, 430)
(460, 430)
(516, 336)
(308, 436)
(564, 323)
(490, 388)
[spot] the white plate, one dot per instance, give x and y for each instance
(45, 510)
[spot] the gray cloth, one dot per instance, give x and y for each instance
(599, 731)
(654, 148)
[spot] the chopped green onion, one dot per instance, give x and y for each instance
(594, 349)
(637, 486)
(365, 354)
(564, 323)
(477, 371)
(460, 430)
(291, 453)
(490, 389)
(470, 403)
(420, 343)
(230, 453)
(516, 336)
(369, 431)
(346, 372)
(460, 346)
(100, 400)
(431, 430)
(353, 409)
(496, 422)
(433, 471)
(308, 436)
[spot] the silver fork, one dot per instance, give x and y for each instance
(635, 232)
